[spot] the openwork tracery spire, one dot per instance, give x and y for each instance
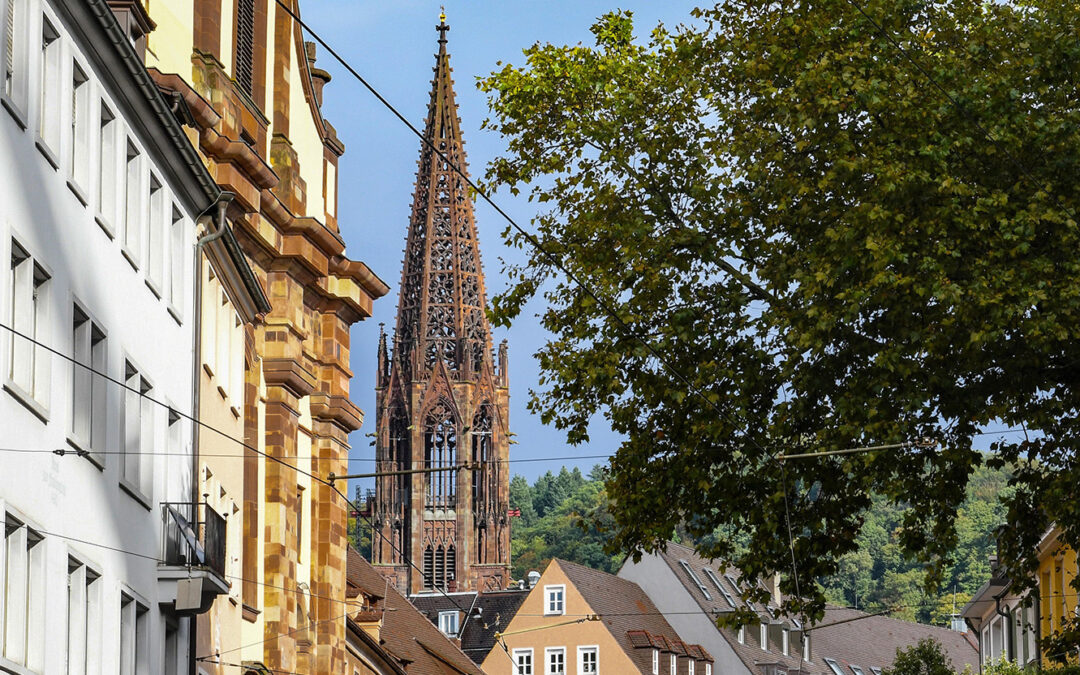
(442, 398)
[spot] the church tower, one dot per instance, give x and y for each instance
(442, 400)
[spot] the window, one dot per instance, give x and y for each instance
(656, 662)
(448, 623)
(177, 258)
(172, 647)
(694, 578)
(24, 596)
(245, 44)
(763, 635)
(785, 645)
(556, 661)
(523, 661)
(134, 636)
(805, 647)
(29, 365)
(133, 211)
(554, 600)
(857, 670)
(79, 158)
(299, 523)
(875, 670)
(106, 169)
(834, 667)
(708, 669)
(49, 117)
(138, 426)
(156, 224)
(690, 667)
(742, 635)
(14, 58)
(588, 660)
(84, 617)
(673, 664)
(88, 391)
(720, 587)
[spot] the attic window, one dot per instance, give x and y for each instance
(694, 578)
(554, 600)
(857, 670)
(875, 671)
(834, 666)
(720, 587)
(448, 624)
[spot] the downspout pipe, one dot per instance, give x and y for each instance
(1010, 630)
(215, 216)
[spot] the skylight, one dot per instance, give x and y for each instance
(720, 587)
(835, 667)
(693, 577)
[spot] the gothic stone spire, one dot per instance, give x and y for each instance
(441, 400)
(441, 308)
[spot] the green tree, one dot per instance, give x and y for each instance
(925, 658)
(826, 250)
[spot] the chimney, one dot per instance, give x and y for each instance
(135, 21)
(534, 578)
(773, 586)
(319, 77)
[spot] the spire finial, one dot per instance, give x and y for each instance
(443, 26)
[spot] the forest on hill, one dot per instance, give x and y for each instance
(563, 516)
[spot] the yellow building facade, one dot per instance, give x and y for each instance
(241, 76)
(1057, 597)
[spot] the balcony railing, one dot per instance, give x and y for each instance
(193, 534)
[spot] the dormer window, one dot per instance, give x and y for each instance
(656, 662)
(448, 623)
(694, 578)
(674, 664)
(763, 635)
(554, 600)
(857, 670)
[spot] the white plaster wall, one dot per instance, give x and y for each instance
(658, 581)
(70, 498)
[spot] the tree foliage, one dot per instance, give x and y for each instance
(925, 658)
(829, 253)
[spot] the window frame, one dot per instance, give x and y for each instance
(549, 668)
(29, 652)
(518, 666)
(28, 313)
(673, 663)
(16, 99)
(449, 617)
(582, 650)
(694, 578)
(51, 84)
(95, 354)
(549, 589)
(728, 598)
(834, 666)
(144, 431)
(135, 183)
(79, 126)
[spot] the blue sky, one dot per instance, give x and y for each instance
(392, 44)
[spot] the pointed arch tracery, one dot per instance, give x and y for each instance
(440, 452)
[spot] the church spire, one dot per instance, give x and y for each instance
(441, 401)
(441, 308)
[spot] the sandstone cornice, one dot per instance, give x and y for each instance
(336, 409)
(224, 150)
(287, 373)
(204, 114)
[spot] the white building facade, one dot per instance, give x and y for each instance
(100, 194)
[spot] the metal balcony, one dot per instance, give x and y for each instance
(192, 569)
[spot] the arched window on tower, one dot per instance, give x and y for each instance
(481, 455)
(429, 567)
(440, 567)
(440, 452)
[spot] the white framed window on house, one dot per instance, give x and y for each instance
(690, 667)
(708, 669)
(785, 642)
(177, 260)
(79, 128)
(134, 636)
(763, 635)
(133, 199)
(523, 661)
(554, 599)
(742, 635)
(24, 596)
(655, 662)
(83, 618)
(14, 55)
(29, 363)
(694, 579)
(138, 424)
(223, 339)
(673, 664)
(805, 640)
(857, 670)
(588, 660)
(157, 214)
(50, 91)
(834, 667)
(89, 390)
(448, 623)
(555, 660)
(107, 170)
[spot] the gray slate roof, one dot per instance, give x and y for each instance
(477, 634)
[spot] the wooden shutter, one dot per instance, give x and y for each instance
(245, 44)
